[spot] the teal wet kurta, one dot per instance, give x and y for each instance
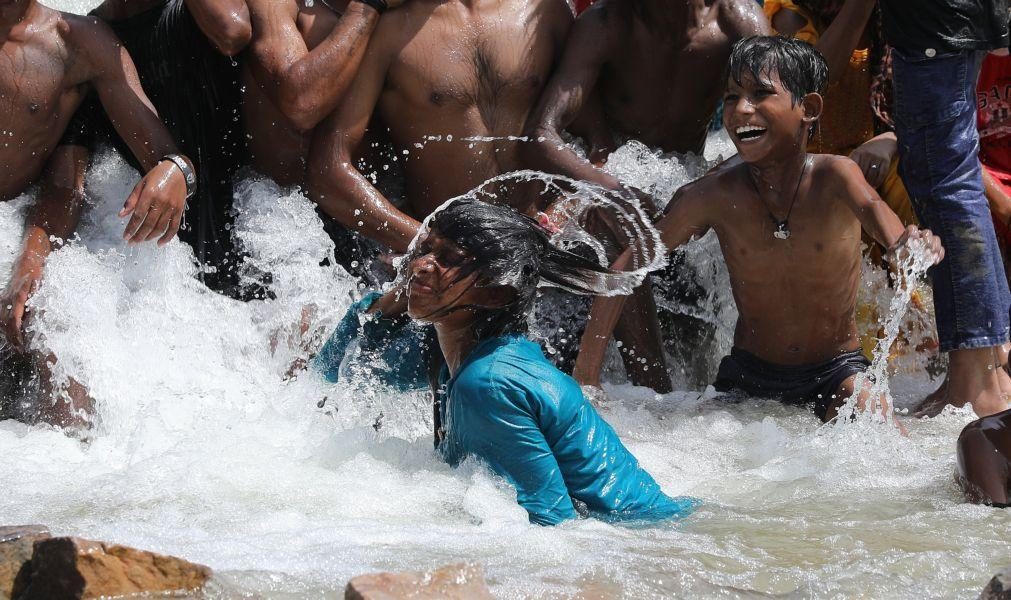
(393, 351)
(509, 407)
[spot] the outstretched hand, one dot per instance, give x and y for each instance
(930, 241)
(156, 205)
(13, 302)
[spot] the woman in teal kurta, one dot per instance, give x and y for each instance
(472, 275)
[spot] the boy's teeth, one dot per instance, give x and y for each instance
(748, 128)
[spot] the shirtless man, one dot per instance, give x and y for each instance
(302, 59)
(452, 79)
(183, 51)
(53, 59)
(984, 460)
(650, 64)
(789, 226)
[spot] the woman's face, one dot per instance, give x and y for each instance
(435, 283)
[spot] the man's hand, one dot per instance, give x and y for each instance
(874, 157)
(156, 205)
(931, 242)
(13, 301)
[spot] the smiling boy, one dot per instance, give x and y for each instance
(789, 225)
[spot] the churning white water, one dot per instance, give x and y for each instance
(203, 451)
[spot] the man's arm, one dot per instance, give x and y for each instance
(50, 223)
(839, 41)
(224, 22)
(335, 184)
(687, 219)
(740, 19)
(307, 86)
(570, 89)
(157, 202)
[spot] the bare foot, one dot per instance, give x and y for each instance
(977, 376)
(932, 405)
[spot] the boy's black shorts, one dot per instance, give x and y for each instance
(816, 384)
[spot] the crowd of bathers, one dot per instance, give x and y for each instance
(866, 131)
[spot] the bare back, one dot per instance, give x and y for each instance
(463, 79)
(662, 88)
(42, 82)
(796, 298)
(277, 148)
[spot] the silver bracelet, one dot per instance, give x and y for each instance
(188, 174)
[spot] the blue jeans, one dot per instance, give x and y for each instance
(935, 118)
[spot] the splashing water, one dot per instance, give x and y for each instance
(206, 453)
(910, 268)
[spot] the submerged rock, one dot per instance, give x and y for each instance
(452, 582)
(75, 568)
(999, 587)
(16, 544)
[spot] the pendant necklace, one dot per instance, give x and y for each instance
(782, 227)
(310, 3)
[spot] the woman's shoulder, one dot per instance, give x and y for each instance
(510, 363)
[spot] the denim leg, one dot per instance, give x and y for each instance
(935, 117)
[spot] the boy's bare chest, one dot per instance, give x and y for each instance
(808, 241)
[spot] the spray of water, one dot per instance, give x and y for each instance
(872, 387)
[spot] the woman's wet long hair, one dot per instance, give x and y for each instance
(510, 250)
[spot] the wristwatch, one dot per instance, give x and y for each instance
(379, 5)
(188, 174)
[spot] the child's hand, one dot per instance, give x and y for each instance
(930, 242)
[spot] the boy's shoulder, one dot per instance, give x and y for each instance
(729, 174)
(833, 167)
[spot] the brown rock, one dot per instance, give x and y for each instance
(452, 582)
(75, 568)
(999, 587)
(15, 557)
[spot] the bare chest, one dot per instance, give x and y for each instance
(816, 246)
(662, 94)
(34, 86)
(37, 93)
(491, 64)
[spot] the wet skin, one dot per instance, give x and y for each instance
(984, 459)
(52, 60)
(438, 68)
(300, 64)
(652, 65)
(224, 22)
(436, 285)
(795, 297)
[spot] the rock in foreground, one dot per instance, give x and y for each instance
(75, 568)
(999, 587)
(16, 544)
(453, 582)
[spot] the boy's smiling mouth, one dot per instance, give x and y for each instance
(747, 133)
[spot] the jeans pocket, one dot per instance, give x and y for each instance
(932, 90)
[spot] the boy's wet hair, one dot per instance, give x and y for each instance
(800, 67)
